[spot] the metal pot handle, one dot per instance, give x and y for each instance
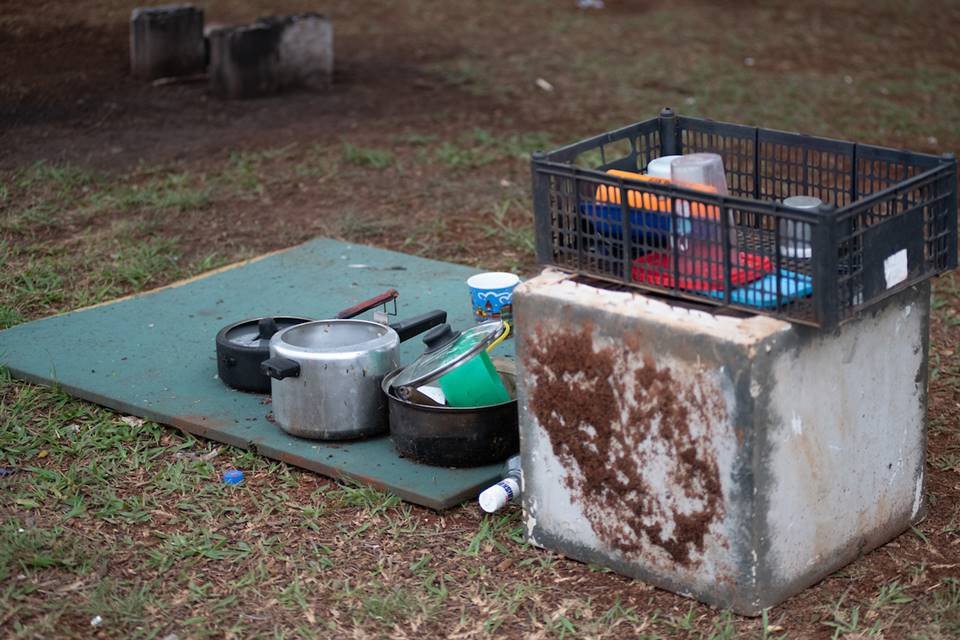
(280, 368)
(410, 327)
(266, 327)
(376, 301)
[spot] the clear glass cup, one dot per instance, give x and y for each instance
(699, 170)
(703, 172)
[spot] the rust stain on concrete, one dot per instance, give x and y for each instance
(621, 424)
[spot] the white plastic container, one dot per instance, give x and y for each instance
(660, 167)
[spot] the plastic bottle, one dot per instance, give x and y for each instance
(494, 498)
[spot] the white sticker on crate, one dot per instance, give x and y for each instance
(895, 268)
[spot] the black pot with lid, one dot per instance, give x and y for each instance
(242, 346)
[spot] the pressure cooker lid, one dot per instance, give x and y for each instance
(446, 350)
(336, 336)
(256, 333)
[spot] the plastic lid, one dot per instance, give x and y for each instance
(233, 476)
(447, 350)
(802, 202)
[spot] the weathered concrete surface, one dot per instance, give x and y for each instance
(735, 459)
(306, 51)
(166, 41)
(843, 439)
(271, 55)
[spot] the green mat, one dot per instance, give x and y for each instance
(154, 356)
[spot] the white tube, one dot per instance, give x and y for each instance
(494, 498)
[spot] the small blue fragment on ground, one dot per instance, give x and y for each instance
(233, 476)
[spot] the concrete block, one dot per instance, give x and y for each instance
(271, 55)
(166, 41)
(735, 459)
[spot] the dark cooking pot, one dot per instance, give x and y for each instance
(453, 436)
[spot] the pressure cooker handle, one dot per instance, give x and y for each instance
(410, 327)
(376, 301)
(280, 368)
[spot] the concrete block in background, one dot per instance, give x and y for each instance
(166, 41)
(271, 55)
(734, 459)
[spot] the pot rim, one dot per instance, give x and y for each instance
(386, 341)
(222, 341)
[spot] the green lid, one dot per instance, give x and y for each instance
(447, 350)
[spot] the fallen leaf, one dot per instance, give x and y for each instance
(133, 421)
(43, 453)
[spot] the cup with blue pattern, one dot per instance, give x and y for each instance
(491, 294)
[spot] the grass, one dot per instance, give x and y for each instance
(129, 521)
(481, 147)
(318, 556)
(368, 156)
(71, 237)
(201, 548)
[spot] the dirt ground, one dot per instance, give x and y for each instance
(420, 146)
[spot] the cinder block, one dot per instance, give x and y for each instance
(733, 459)
(166, 41)
(271, 55)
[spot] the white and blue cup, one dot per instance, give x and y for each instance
(492, 295)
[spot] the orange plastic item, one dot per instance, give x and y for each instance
(651, 202)
(634, 197)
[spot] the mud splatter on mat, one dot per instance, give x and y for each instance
(635, 439)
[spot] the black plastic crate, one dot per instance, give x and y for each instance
(889, 218)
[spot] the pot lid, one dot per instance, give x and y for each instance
(329, 337)
(256, 333)
(446, 350)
